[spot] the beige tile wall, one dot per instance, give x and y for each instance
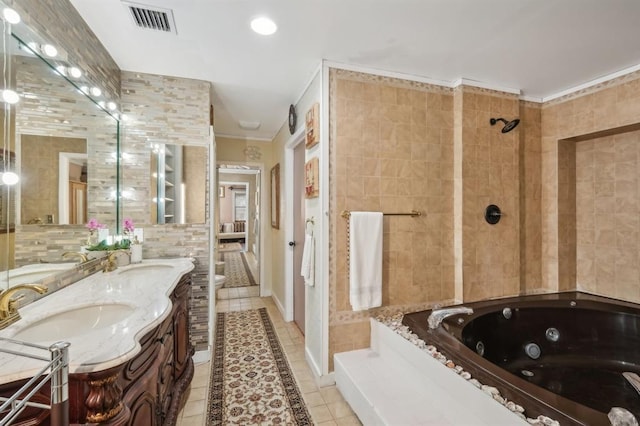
(490, 175)
(608, 215)
(391, 150)
(530, 198)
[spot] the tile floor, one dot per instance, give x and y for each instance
(326, 405)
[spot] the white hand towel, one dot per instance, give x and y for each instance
(308, 260)
(365, 260)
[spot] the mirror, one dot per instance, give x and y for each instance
(178, 185)
(62, 144)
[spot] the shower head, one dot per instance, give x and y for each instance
(508, 125)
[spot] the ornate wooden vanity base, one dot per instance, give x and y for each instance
(146, 390)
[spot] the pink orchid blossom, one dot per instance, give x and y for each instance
(127, 225)
(93, 225)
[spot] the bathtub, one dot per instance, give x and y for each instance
(560, 355)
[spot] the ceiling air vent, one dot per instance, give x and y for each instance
(151, 17)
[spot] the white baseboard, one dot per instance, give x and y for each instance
(321, 380)
(202, 356)
(279, 306)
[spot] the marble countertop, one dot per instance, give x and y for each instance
(144, 288)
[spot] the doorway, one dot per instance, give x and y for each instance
(298, 236)
(238, 235)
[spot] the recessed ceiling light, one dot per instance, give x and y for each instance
(50, 50)
(10, 97)
(11, 15)
(264, 26)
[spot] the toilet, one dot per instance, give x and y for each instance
(220, 279)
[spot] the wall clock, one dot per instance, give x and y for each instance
(292, 119)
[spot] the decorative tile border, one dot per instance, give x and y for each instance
(593, 89)
(389, 81)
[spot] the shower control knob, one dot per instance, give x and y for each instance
(492, 214)
(292, 243)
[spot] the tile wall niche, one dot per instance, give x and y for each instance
(390, 150)
(608, 109)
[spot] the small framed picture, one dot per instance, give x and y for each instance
(275, 196)
(311, 178)
(312, 126)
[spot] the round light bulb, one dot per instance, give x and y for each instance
(95, 91)
(50, 50)
(264, 26)
(10, 15)
(10, 178)
(75, 72)
(112, 105)
(10, 97)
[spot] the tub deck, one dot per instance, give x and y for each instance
(570, 367)
(396, 383)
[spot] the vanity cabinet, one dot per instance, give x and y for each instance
(149, 389)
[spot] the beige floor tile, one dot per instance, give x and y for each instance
(313, 399)
(198, 394)
(340, 409)
(192, 421)
(193, 408)
(320, 414)
(331, 394)
(307, 386)
(329, 423)
(348, 421)
(200, 381)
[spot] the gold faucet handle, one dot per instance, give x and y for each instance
(13, 302)
(83, 257)
(110, 263)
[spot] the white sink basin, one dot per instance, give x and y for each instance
(32, 273)
(144, 268)
(74, 322)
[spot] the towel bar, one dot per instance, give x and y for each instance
(346, 213)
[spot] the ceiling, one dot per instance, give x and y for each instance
(538, 47)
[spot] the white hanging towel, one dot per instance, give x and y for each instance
(365, 260)
(308, 269)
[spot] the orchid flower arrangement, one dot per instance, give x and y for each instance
(127, 226)
(93, 225)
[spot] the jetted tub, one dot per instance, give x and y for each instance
(561, 355)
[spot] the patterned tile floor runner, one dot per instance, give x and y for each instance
(251, 382)
(236, 270)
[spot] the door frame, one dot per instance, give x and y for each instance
(296, 139)
(256, 168)
(64, 159)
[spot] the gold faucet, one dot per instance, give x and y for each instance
(110, 263)
(83, 257)
(8, 309)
